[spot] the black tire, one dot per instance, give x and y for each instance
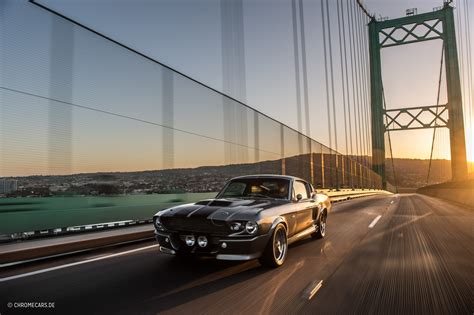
(321, 226)
(276, 250)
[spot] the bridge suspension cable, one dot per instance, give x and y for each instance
(364, 75)
(389, 141)
(346, 77)
(341, 48)
(326, 74)
(364, 9)
(436, 116)
(358, 83)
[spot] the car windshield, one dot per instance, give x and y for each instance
(256, 188)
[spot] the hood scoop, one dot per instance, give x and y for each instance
(220, 203)
(203, 202)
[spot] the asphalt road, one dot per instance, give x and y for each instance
(416, 259)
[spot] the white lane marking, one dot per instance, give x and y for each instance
(371, 225)
(75, 263)
(312, 289)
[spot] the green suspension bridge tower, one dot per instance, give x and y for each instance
(438, 24)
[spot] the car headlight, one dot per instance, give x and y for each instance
(158, 224)
(190, 240)
(202, 241)
(236, 226)
(251, 227)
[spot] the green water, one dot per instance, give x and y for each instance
(32, 214)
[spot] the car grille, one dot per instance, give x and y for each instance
(199, 225)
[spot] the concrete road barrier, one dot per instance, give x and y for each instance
(33, 249)
(460, 192)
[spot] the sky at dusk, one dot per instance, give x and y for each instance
(187, 36)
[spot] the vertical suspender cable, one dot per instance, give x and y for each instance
(362, 85)
(366, 89)
(347, 86)
(297, 65)
(436, 119)
(357, 87)
(305, 71)
(344, 103)
(365, 45)
(346, 77)
(332, 92)
(328, 17)
(390, 143)
(342, 72)
(366, 100)
(369, 127)
(360, 95)
(326, 79)
(353, 81)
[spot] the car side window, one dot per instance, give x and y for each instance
(300, 188)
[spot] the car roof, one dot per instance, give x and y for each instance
(287, 177)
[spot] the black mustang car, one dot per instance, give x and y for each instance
(252, 217)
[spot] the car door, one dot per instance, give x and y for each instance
(305, 205)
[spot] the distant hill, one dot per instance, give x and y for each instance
(410, 174)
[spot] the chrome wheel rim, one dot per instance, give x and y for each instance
(280, 245)
(322, 225)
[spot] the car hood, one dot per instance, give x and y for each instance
(222, 209)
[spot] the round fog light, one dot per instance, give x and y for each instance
(202, 241)
(190, 240)
(224, 245)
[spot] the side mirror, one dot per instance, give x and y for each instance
(313, 196)
(299, 197)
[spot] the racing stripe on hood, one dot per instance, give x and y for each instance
(184, 210)
(223, 213)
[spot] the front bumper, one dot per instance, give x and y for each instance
(219, 247)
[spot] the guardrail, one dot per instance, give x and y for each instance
(342, 195)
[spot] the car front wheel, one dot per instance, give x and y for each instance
(276, 250)
(320, 226)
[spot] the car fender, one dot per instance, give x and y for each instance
(324, 208)
(277, 221)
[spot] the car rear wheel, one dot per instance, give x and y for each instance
(276, 250)
(320, 226)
